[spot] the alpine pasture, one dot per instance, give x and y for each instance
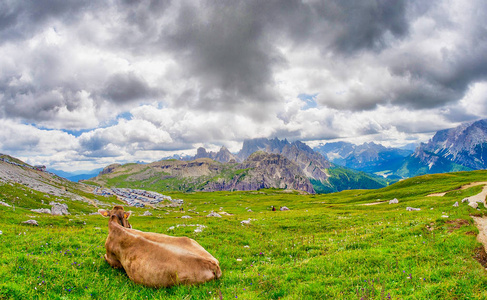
(327, 246)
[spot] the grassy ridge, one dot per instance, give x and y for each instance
(326, 247)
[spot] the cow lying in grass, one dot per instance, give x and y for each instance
(154, 259)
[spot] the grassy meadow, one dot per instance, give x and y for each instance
(327, 246)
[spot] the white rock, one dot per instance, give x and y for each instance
(246, 246)
(245, 222)
(249, 210)
(394, 201)
(59, 209)
(185, 217)
(465, 200)
(5, 204)
(1, 232)
(412, 209)
(239, 259)
(444, 216)
(474, 205)
(147, 213)
(456, 204)
(283, 208)
(42, 210)
(214, 214)
(31, 222)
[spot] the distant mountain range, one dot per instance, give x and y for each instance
(369, 157)
(76, 176)
(274, 163)
(458, 149)
(261, 163)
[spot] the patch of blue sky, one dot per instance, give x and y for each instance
(112, 122)
(309, 100)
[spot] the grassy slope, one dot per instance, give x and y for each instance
(327, 247)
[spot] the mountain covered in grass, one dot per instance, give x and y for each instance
(272, 164)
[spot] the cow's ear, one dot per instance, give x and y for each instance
(127, 214)
(103, 212)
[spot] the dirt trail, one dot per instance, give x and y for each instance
(480, 197)
(481, 223)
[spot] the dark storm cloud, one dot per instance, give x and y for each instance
(231, 48)
(22, 19)
(226, 54)
(127, 87)
(341, 27)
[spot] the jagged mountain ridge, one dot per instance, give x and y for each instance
(223, 156)
(260, 170)
(274, 164)
(464, 145)
(313, 164)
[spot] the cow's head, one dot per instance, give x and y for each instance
(117, 214)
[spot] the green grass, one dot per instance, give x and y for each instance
(327, 246)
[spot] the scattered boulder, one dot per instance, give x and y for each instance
(465, 200)
(249, 210)
(444, 216)
(412, 209)
(224, 213)
(185, 217)
(31, 222)
(245, 222)
(214, 214)
(147, 213)
(1, 232)
(456, 204)
(5, 204)
(473, 205)
(394, 201)
(284, 208)
(59, 209)
(42, 210)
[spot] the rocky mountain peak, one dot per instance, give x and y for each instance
(465, 145)
(223, 155)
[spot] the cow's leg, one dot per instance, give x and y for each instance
(112, 261)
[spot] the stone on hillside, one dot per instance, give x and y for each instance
(214, 214)
(147, 213)
(456, 204)
(59, 209)
(42, 210)
(245, 222)
(31, 222)
(1, 232)
(394, 201)
(4, 204)
(283, 208)
(185, 217)
(474, 205)
(465, 200)
(249, 210)
(412, 209)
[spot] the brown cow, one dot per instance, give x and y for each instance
(154, 259)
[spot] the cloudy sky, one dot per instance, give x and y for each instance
(87, 83)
